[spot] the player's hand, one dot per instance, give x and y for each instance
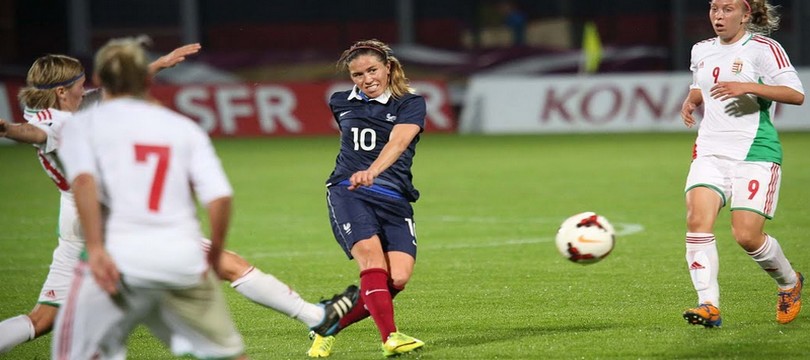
(175, 57)
(361, 178)
(3, 128)
(725, 90)
(686, 113)
(104, 270)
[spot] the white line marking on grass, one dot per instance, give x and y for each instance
(622, 229)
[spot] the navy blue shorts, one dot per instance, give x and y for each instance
(362, 213)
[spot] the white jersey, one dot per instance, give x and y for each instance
(50, 121)
(740, 128)
(146, 160)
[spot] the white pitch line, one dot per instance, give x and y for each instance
(622, 229)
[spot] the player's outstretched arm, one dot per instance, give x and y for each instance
(26, 133)
(173, 58)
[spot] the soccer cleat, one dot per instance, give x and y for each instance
(399, 343)
(334, 309)
(790, 302)
(321, 345)
(705, 314)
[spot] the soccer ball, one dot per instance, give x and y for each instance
(585, 238)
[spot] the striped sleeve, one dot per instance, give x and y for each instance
(775, 64)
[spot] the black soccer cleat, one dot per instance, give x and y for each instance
(335, 309)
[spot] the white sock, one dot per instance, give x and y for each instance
(704, 265)
(771, 259)
(268, 291)
(15, 331)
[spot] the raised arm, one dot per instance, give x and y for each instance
(173, 58)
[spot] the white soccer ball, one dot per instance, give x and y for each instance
(585, 238)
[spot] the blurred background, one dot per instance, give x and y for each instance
(447, 42)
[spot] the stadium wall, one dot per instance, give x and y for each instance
(264, 109)
(590, 103)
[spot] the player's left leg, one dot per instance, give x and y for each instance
(765, 250)
(756, 188)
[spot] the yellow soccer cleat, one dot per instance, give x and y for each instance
(399, 343)
(705, 314)
(321, 345)
(790, 302)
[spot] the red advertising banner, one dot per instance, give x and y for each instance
(265, 109)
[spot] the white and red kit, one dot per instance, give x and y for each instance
(66, 255)
(737, 150)
(148, 163)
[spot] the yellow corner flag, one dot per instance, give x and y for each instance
(591, 48)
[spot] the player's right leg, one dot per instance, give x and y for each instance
(707, 187)
(704, 314)
(19, 329)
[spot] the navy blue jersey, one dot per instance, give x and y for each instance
(365, 127)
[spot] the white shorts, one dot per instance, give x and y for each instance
(57, 283)
(193, 321)
(65, 256)
(751, 185)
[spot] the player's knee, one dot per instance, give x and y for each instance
(747, 237)
(400, 278)
(696, 222)
(231, 266)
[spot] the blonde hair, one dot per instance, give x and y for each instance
(397, 81)
(764, 17)
(122, 67)
(46, 74)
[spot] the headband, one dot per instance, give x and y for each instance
(384, 54)
(747, 5)
(62, 83)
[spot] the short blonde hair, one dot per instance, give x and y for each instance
(46, 74)
(122, 67)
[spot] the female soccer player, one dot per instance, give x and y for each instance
(738, 77)
(54, 91)
(369, 191)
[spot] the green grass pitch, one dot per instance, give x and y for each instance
(489, 283)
